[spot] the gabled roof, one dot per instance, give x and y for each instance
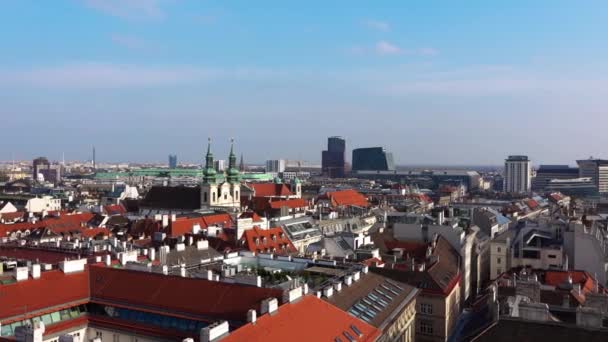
(308, 319)
(267, 240)
(200, 297)
(270, 190)
(290, 203)
(346, 198)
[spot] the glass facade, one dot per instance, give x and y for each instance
(333, 159)
(372, 159)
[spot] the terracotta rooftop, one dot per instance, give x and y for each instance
(61, 224)
(53, 289)
(270, 190)
(268, 240)
(308, 319)
(346, 198)
(163, 293)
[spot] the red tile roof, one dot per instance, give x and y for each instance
(532, 204)
(12, 216)
(290, 203)
(273, 239)
(115, 209)
(555, 278)
(93, 232)
(54, 288)
(171, 293)
(184, 225)
(309, 319)
(41, 255)
(61, 224)
(346, 198)
(270, 190)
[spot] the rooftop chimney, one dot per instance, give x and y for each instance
(214, 331)
(36, 271)
(328, 291)
(251, 316)
(269, 306)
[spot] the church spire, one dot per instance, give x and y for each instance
(242, 164)
(233, 172)
(209, 172)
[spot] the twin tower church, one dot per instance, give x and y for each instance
(227, 193)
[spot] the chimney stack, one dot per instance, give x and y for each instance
(251, 316)
(269, 306)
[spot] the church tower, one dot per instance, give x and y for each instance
(209, 190)
(233, 176)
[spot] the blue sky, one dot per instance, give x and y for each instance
(435, 82)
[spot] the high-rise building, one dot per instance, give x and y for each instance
(172, 161)
(597, 170)
(546, 173)
(219, 165)
(40, 165)
(372, 159)
(517, 175)
(333, 159)
(275, 165)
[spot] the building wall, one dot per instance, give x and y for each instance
(46, 203)
(444, 313)
(403, 327)
(498, 258)
(110, 335)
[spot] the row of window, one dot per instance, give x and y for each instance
(161, 321)
(47, 319)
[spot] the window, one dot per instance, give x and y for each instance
(426, 326)
(426, 308)
(116, 338)
(498, 249)
(205, 197)
(498, 261)
(98, 334)
(213, 196)
(225, 195)
(498, 271)
(552, 256)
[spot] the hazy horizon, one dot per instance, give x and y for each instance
(433, 82)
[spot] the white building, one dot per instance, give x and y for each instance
(276, 165)
(40, 204)
(597, 170)
(219, 165)
(517, 175)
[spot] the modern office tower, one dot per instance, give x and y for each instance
(372, 159)
(172, 161)
(333, 159)
(546, 173)
(275, 165)
(597, 170)
(517, 175)
(579, 187)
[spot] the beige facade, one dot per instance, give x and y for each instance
(436, 315)
(403, 327)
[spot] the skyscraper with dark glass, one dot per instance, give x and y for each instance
(172, 161)
(333, 159)
(372, 159)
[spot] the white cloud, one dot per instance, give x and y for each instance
(128, 8)
(386, 48)
(378, 25)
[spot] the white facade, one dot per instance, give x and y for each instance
(46, 203)
(275, 165)
(220, 165)
(517, 175)
(221, 195)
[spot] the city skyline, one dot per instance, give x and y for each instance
(143, 79)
